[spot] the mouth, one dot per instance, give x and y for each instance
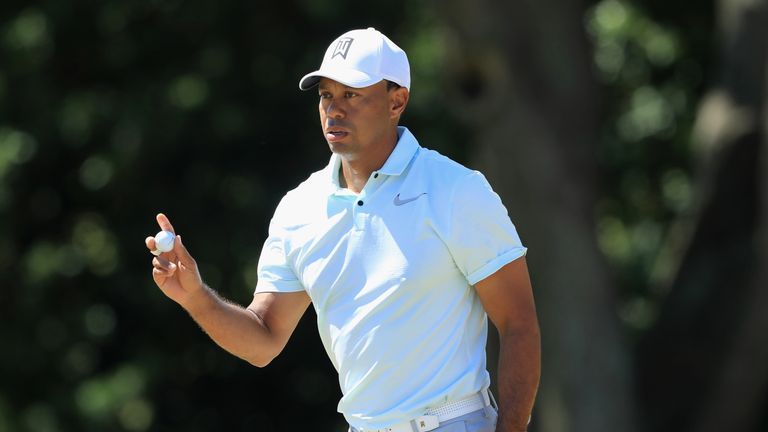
(334, 134)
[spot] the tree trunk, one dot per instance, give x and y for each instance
(738, 392)
(524, 85)
(705, 364)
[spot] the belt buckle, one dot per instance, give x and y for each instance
(427, 423)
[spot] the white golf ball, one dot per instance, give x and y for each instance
(164, 241)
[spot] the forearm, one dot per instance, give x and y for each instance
(518, 378)
(234, 328)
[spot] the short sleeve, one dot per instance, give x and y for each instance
(481, 236)
(275, 273)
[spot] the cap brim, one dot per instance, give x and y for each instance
(348, 77)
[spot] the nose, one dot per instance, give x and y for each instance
(334, 109)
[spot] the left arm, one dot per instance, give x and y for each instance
(508, 300)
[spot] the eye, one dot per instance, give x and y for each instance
(349, 94)
(325, 95)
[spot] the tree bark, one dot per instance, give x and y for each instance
(521, 78)
(705, 364)
(745, 370)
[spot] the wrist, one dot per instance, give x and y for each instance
(199, 301)
(504, 425)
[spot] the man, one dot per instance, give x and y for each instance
(403, 253)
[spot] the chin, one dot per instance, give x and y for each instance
(341, 149)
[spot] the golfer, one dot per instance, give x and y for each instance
(404, 255)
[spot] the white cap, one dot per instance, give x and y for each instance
(360, 58)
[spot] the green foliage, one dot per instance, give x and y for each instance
(652, 73)
(113, 111)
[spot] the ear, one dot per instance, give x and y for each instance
(398, 99)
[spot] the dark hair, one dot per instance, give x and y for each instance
(392, 85)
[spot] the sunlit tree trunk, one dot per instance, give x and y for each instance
(737, 396)
(705, 364)
(521, 78)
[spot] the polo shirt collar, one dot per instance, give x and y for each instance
(398, 160)
(401, 156)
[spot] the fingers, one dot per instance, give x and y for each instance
(165, 225)
(152, 245)
(164, 222)
(167, 263)
(163, 267)
(185, 259)
(178, 248)
(159, 275)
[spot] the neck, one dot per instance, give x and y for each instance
(355, 171)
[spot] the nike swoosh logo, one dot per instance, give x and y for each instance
(399, 202)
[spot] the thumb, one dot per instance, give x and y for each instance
(185, 259)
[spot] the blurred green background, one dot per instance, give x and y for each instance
(627, 139)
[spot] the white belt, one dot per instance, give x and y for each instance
(434, 416)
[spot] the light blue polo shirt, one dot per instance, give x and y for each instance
(390, 272)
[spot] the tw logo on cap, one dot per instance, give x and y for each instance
(342, 47)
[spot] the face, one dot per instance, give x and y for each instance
(355, 120)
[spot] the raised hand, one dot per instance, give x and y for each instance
(175, 272)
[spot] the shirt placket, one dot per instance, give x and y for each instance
(362, 205)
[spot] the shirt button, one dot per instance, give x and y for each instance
(376, 175)
(360, 202)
